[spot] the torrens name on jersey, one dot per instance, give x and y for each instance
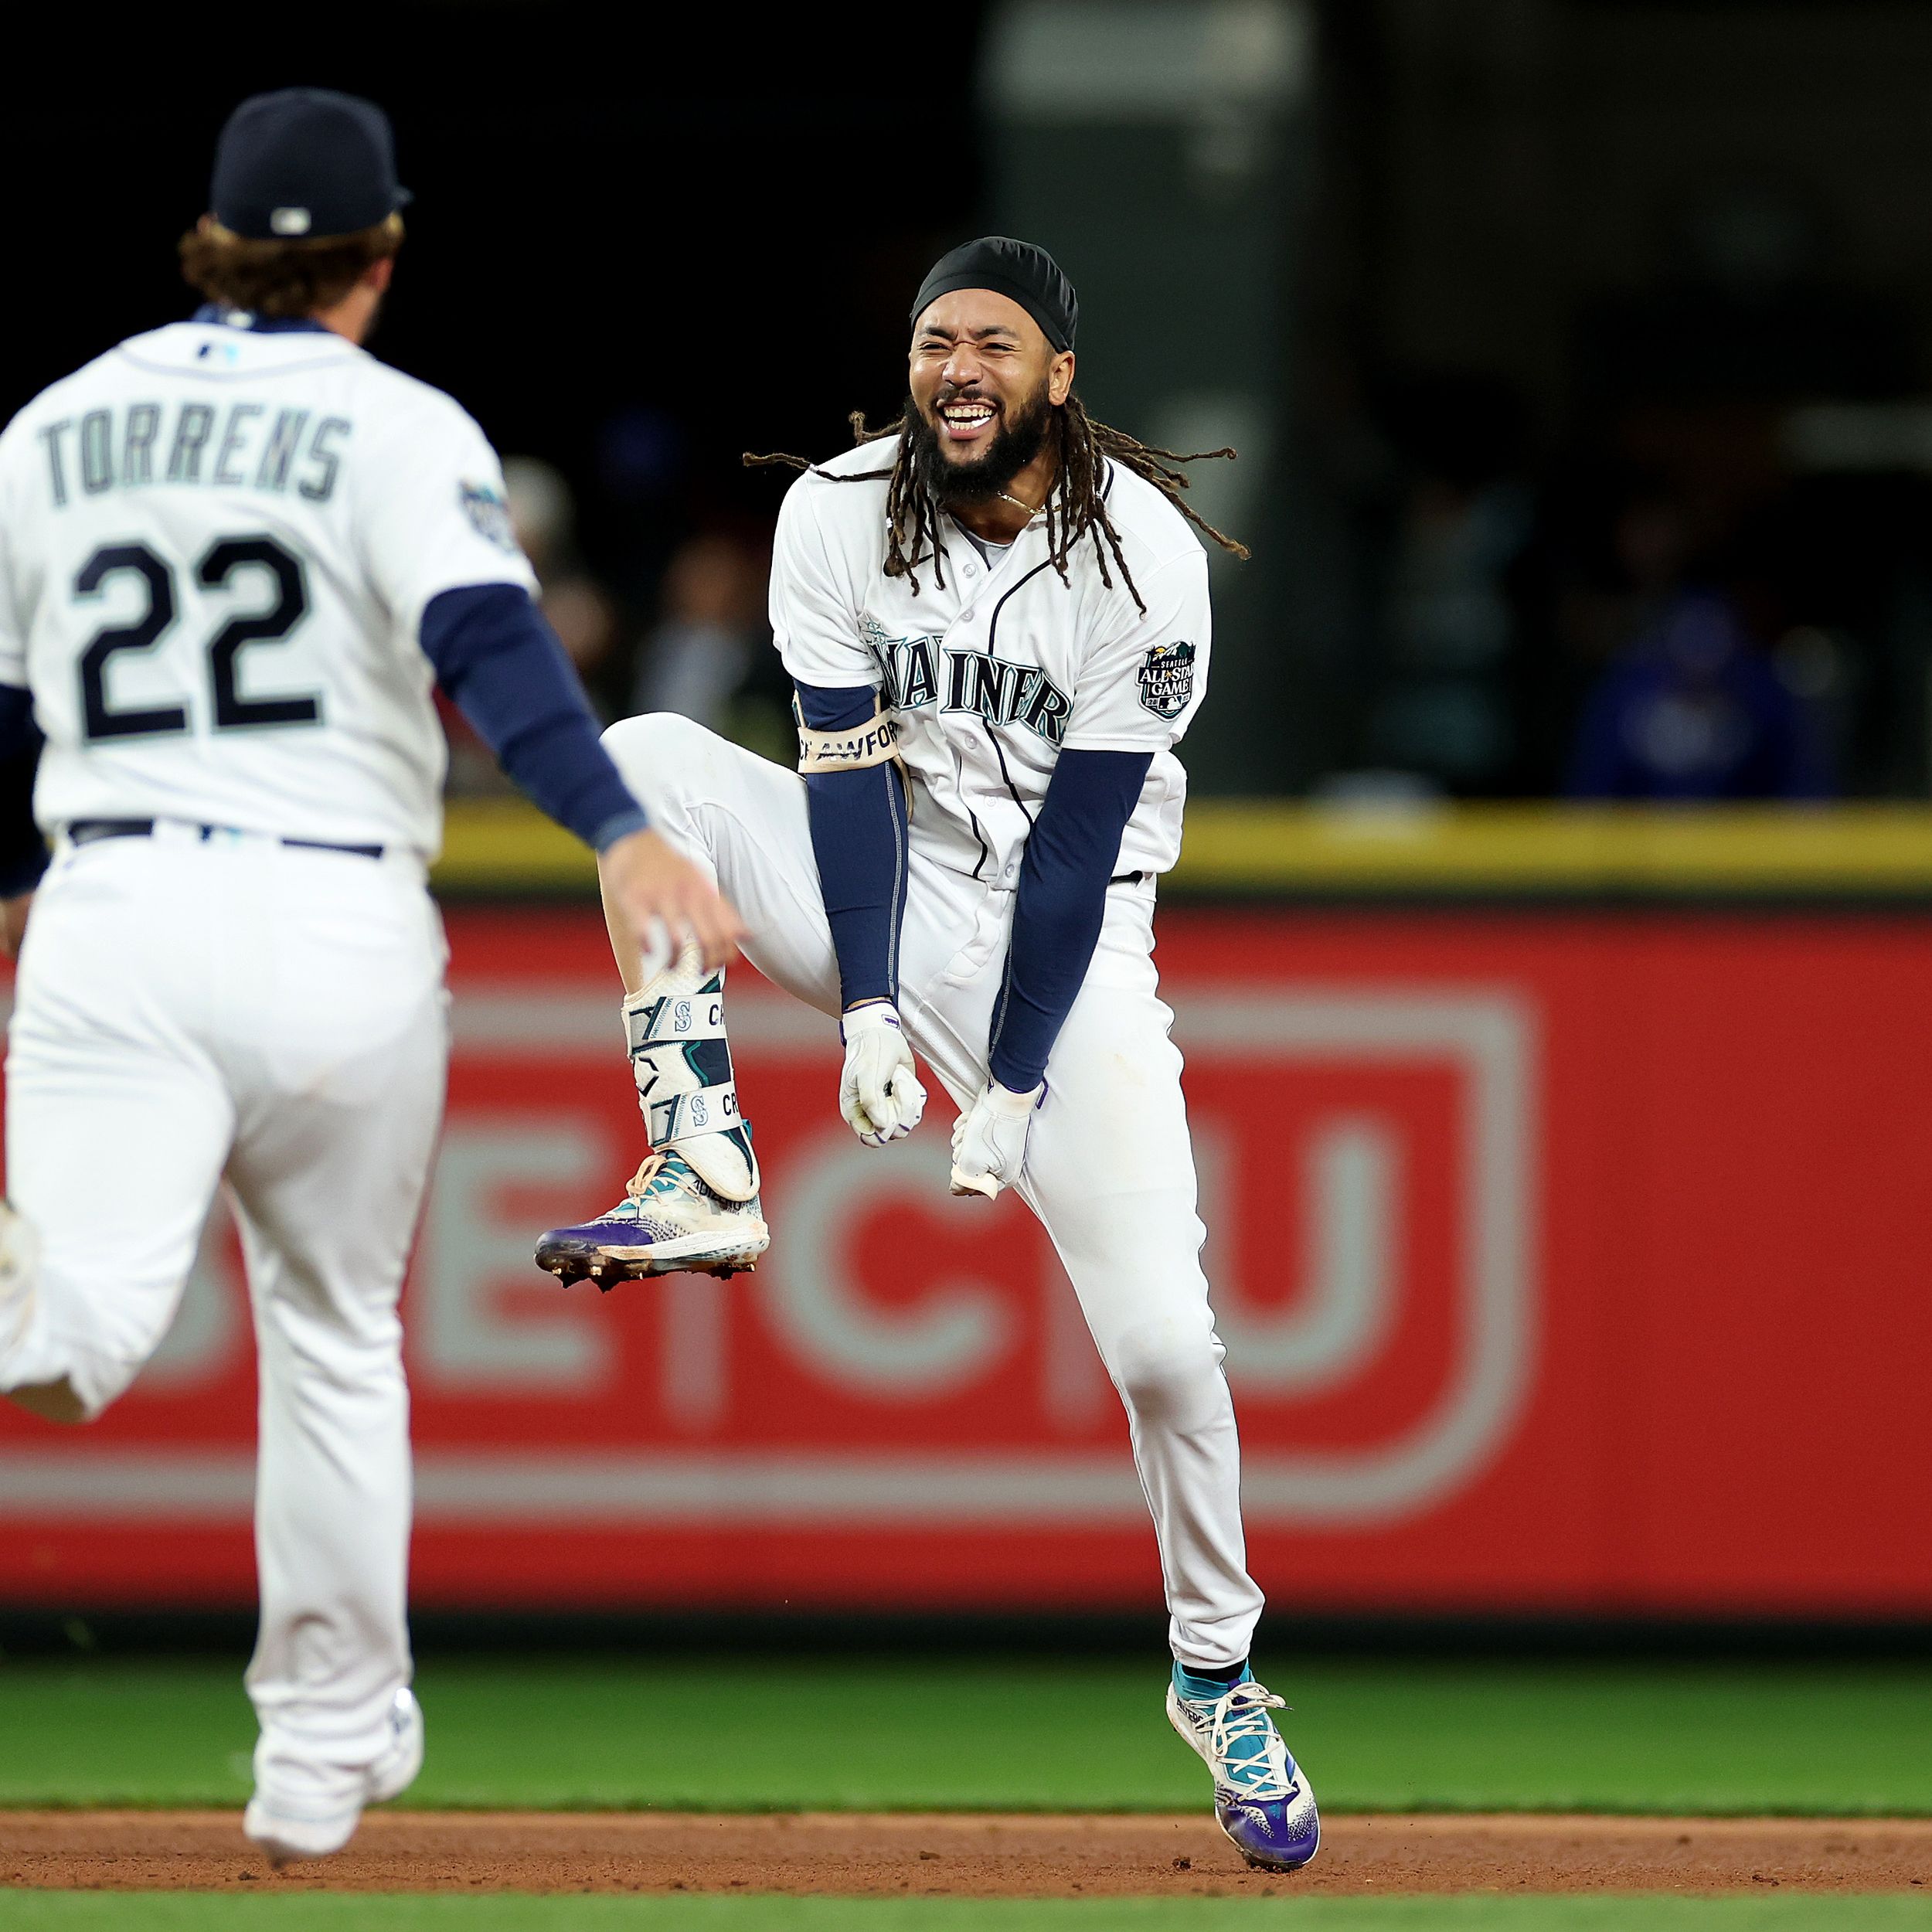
(234, 446)
(918, 672)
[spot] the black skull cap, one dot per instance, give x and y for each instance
(1021, 271)
(303, 164)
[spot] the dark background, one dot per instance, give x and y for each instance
(642, 240)
(1524, 302)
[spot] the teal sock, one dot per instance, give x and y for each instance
(1203, 1687)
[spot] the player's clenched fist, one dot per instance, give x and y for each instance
(657, 896)
(989, 1140)
(878, 1093)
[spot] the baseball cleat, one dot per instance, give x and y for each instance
(1262, 1798)
(284, 1835)
(671, 1221)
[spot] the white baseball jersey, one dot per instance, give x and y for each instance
(992, 675)
(216, 546)
(995, 672)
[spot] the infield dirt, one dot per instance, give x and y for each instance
(967, 1855)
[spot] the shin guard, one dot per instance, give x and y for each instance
(681, 1060)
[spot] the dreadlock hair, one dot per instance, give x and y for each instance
(1075, 506)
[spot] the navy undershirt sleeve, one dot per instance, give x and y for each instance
(858, 830)
(502, 666)
(1071, 854)
(23, 852)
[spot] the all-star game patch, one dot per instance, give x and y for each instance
(489, 511)
(1167, 680)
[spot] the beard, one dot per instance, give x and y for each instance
(1018, 439)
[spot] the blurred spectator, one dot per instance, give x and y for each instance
(1447, 707)
(543, 516)
(1692, 710)
(1444, 707)
(1617, 547)
(543, 519)
(710, 656)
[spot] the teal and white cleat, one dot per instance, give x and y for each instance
(1262, 1798)
(692, 1208)
(671, 1221)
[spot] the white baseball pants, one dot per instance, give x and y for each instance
(1109, 1167)
(190, 1011)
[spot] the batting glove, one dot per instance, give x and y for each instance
(989, 1140)
(878, 1093)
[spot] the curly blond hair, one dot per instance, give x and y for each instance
(282, 280)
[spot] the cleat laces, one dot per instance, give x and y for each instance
(664, 1176)
(1251, 1753)
(643, 1183)
(660, 1177)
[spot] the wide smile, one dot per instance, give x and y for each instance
(967, 419)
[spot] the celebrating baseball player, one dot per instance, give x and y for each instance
(995, 615)
(236, 554)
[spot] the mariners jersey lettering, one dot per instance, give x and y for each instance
(216, 547)
(994, 672)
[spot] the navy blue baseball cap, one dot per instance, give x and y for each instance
(304, 163)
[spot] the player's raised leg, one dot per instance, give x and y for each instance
(742, 820)
(693, 1204)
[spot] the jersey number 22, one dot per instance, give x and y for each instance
(219, 564)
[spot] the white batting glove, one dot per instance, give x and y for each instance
(989, 1140)
(878, 1093)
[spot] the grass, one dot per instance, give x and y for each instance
(318, 1912)
(762, 1734)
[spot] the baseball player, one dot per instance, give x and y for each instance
(236, 554)
(995, 615)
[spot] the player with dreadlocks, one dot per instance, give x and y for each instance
(1076, 504)
(997, 634)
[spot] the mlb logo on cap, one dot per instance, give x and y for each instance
(304, 163)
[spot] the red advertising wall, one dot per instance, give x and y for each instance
(1565, 1261)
